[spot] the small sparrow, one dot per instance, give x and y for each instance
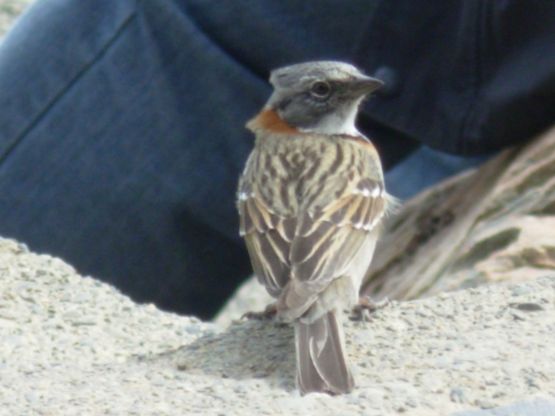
(310, 199)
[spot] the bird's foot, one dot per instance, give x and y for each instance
(366, 306)
(268, 313)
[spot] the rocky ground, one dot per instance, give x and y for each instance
(73, 345)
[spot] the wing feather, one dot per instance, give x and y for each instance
(268, 238)
(327, 245)
(297, 254)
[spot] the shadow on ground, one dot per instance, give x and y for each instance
(246, 350)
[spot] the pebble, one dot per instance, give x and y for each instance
(74, 345)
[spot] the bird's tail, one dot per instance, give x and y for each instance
(321, 362)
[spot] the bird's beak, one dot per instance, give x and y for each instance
(364, 85)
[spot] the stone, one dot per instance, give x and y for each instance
(484, 226)
(73, 345)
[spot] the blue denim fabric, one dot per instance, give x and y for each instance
(121, 133)
(424, 168)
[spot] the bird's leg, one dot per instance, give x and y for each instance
(366, 306)
(268, 313)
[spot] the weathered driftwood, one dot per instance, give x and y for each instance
(495, 223)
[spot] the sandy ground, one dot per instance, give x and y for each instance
(72, 345)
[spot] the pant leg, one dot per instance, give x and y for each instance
(104, 151)
(121, 135)
(424, 168)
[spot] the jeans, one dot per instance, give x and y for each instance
(122, 133)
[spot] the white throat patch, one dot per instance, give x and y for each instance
(337, 123)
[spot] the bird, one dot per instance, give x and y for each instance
(310, 201)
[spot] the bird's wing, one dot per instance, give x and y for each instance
(305, 251)
(268, 238)
(327, 240)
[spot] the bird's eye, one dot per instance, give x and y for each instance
(320, 89)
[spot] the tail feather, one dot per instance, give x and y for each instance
(321, 362)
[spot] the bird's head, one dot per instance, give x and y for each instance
(320, 97)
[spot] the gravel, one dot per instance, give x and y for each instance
(73, 345)
(67, 341)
